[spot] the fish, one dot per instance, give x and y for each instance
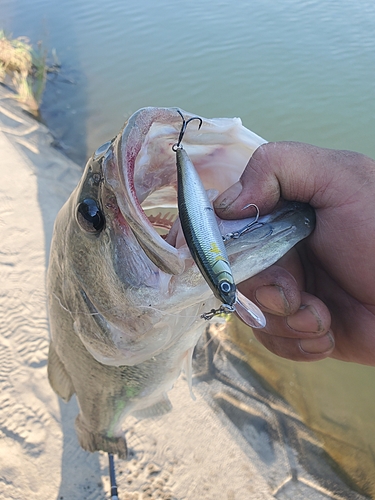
(125, 297)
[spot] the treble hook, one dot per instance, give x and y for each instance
(252, 225)
(183, 129)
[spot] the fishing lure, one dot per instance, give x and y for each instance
(205, 242)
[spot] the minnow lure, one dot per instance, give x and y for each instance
(205, 241)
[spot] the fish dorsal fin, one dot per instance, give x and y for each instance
(58, 377)
(248, 311)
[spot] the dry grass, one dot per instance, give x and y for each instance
(24, 69)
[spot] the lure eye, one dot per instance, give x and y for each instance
(89, 216)
(227, 292)
(225, 287)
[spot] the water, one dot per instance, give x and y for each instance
(293, 70)
(296, 70)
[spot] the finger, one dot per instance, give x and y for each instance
(298, 349)
(303, 336)
(311, 321)
(277, 288)
(293, 171)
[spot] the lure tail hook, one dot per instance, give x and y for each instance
(183, 129)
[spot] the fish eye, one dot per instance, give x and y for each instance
(89, 216)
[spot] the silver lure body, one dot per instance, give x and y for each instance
(206, 244)
(201, 230)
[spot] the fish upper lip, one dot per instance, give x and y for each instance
(121, 174)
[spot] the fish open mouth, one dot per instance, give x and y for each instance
(162, 220)
(143, 172)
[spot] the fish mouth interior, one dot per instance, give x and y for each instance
(219, 157)
(143, 173)
(162, 219)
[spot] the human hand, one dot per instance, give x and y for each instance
(319, 299)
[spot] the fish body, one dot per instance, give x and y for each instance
(125, 302)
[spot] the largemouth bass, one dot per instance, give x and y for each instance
(124, 300)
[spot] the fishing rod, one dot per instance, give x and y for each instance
(112, 477)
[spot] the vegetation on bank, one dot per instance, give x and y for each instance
(24, 70)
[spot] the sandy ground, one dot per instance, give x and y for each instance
(233, 443)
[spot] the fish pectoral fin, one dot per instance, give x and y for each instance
(58, 377)
(159, 408)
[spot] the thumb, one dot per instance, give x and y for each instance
(289, 170)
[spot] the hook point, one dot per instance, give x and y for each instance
(183, 128)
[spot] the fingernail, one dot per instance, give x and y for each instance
(306, 319)
(272, 297)
(317, 346)
(228, 197)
